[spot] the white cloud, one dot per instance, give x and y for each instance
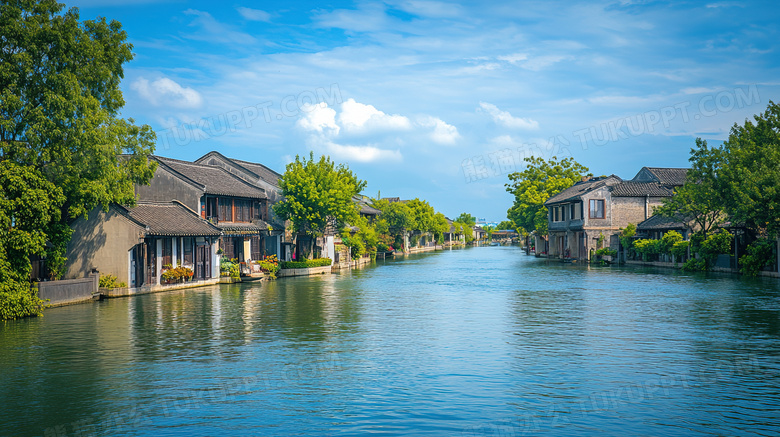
(442, 133)
(319, 118)
(367, 153)
(166, 92)
(514, 58)
(506, 119)
(426, 8)
(361, 117)
(254, 14)
(328, 129)
(213, 31)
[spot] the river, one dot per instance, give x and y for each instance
(483, 341)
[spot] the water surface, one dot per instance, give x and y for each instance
(483, 341)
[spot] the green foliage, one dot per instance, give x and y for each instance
(19, 300)
(305, 264)
(318, 193)
(270, 265)
(600, 241)
(606, 251)
(466, 218)
(413, 240)
(716, 244)
(440, 227)
(535, 185)
(626, 237)
(695, 265)
(180, 273)
(679, 249)
(669, 240)
(29, 211)
(646, 247)
(230, 267)
(506, 225)
(110, 281)
(397, 216)
(745, 172)
(60, 103)
(422, 215)
(708, 249)
(760, 253)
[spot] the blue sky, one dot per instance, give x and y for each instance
(441, 100)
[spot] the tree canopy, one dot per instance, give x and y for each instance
(60, 121)
(466, 219)
(697, 202)
(537, 183)
(318, 194)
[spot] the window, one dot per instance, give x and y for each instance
(167, 251)
(596, 209)
(563, 213)
(225, 210)
(211, 207)
(188, 250)
(572, 212)
(243, 209)
(257, 245)
(557, 211)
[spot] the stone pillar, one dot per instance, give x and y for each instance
(158, 251)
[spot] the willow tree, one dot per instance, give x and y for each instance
(318, 196)
(60, 118)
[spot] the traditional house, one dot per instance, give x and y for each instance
(135, 243)
(279, 240)
(238, 208)
(590, 214)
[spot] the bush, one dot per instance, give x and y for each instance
(19, 300)
(708, 249)
(109, 281)
(270, 265)
(669, 240)
(305, 264)
(646, 247)
(759, 254)
(230, 267)
(606, 251)
(679, 249)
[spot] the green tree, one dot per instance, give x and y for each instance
(537, 183)
(440, 227)
(697, 202)
(60, 105)
(467, 219)
(422, 215)
(29, 207)
(317, 195)
(506, 225)
(746, 171)
(398, 217)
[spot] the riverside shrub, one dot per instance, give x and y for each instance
(305, 264)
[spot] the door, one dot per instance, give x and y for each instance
(203, 261)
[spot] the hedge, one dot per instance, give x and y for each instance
(305, 264)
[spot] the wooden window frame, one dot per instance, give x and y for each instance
(593, 214)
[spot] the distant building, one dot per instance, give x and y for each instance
(590, 214)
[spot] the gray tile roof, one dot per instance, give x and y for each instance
(365, 208)
(669, 176)
(658, 222)
(641, 189)
(262, 172)
(169, 219)
(213, 180)
(243, 228)
(581, 188)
